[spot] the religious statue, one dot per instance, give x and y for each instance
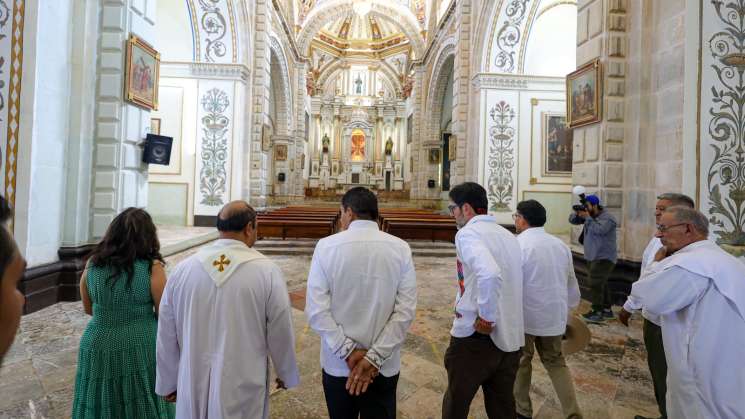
(358, 84)
(388, 147)
(325, 143)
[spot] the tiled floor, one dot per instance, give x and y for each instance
(611, 376)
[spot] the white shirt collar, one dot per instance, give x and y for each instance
(480, 218)
(228, 242)
(534, 230)
(363, 224)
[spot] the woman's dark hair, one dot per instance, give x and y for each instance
(533, 212)
(470, 193)
(130, 236)
(363, 203)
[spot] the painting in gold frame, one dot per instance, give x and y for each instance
(434, 156)
(557, 141)
(583, 93)
(280, 152)
(155, 126)
(142, 74)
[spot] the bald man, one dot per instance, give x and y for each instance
(224, 312)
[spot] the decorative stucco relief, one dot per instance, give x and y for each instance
(723, 125)
(501, 160)
(12, 19)
(509, 28)
(214, 26)
(214, 148)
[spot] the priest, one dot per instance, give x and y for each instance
(224, 312)
(697, 292)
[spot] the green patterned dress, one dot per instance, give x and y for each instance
(116, 361)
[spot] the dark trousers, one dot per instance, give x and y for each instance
(474, 362)
(598, 272)
(378, 402)
(657, 363)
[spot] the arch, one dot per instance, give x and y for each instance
(335, 9)
(507, 35)
(484, 36)
(438, 85)
(440, 71)
(542, 40)
(280, 81)
(332, 71)
(214, 30)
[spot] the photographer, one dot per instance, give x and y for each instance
(599, 234)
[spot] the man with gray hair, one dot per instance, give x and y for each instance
(652, 331)
(697, 292)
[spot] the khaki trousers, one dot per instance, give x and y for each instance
(549, 349)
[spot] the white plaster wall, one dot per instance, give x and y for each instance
(550, 49)
(44, 119)
(174, 39)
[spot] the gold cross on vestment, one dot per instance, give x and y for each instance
(221, 263)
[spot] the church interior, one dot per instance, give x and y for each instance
(182, 106)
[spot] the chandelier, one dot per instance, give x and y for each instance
(362, 7)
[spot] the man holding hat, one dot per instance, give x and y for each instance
(600, 253)
(549, 290)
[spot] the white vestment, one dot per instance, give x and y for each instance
(223, 312)
(549, 284)
(631, 304)
(699, 295)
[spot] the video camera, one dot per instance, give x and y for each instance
(580, 190)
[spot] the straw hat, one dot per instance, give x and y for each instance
(576, 337)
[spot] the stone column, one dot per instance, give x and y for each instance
(598, 148)
(461, 84)
(297, 174)
(120, 177)
(418, 179)
(261, 81)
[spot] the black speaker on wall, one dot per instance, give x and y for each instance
(431, 183)
(157, 149)
(281, 177)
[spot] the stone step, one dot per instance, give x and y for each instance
(305, 250)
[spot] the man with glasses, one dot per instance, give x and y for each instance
(599, 230)
(549, 289)
(697, 292)
(652, 331)
(487, 330)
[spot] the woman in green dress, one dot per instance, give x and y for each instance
(121, 287)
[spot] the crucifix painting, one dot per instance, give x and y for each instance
(358, 145)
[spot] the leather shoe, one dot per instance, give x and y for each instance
(519, 416)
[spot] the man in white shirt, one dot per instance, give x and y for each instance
(361, 300)
(487, 331)
(697, 292)
(224, 311)
(652, 331)
(550, 289)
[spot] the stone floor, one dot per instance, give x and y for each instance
(611, 377)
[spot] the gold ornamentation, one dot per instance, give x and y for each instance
(221, 263)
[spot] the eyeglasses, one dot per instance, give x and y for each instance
(663, 228)
(515, 216)
(452, 207)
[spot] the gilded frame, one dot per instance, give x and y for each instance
(590, 72)
(146, 98)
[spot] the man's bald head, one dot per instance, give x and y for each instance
(235, 216)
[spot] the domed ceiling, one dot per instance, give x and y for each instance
(361, 33)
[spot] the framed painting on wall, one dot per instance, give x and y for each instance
(280, 152)
(141, 74)
(557, 142)
(266, 133)
(583, 95)
(452, 147)
(434, 156)
(155, 126)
